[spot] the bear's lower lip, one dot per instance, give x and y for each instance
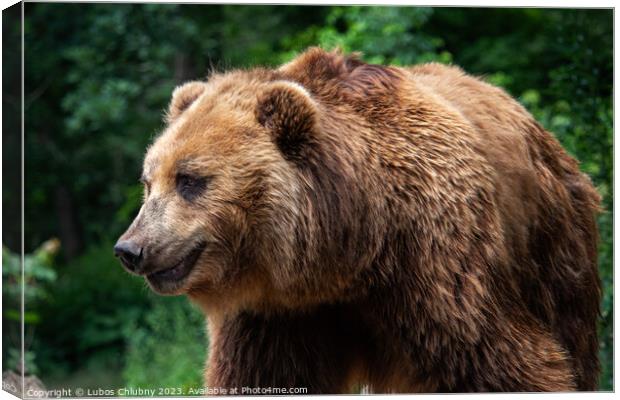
(180, 270)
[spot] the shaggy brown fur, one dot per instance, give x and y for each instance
(345, 224)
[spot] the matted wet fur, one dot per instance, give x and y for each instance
(344, 224)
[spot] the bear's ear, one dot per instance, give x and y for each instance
(290, 114)
(183, 97)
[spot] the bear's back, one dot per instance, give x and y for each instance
(547, 207)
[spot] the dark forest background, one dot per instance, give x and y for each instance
(97, 79)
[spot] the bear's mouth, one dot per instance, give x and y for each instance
(180, 270)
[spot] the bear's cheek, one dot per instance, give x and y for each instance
(234, 254)
(221, 227)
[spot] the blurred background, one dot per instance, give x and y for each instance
(97, 79)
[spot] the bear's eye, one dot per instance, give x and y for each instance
(190, 187)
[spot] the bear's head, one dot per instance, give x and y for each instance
(221, 197)
(255, 189)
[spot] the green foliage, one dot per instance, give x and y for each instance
(99, 301)
(118, 60)
(98, 78)
(27, 287)
(385, 35)
(37, 273)
(167, 347)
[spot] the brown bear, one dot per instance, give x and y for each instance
(347, 225)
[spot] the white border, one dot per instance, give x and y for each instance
(434, 3)
(480, 3)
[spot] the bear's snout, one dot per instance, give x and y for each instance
(130, 255)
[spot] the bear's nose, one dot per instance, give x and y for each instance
(129, 253)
